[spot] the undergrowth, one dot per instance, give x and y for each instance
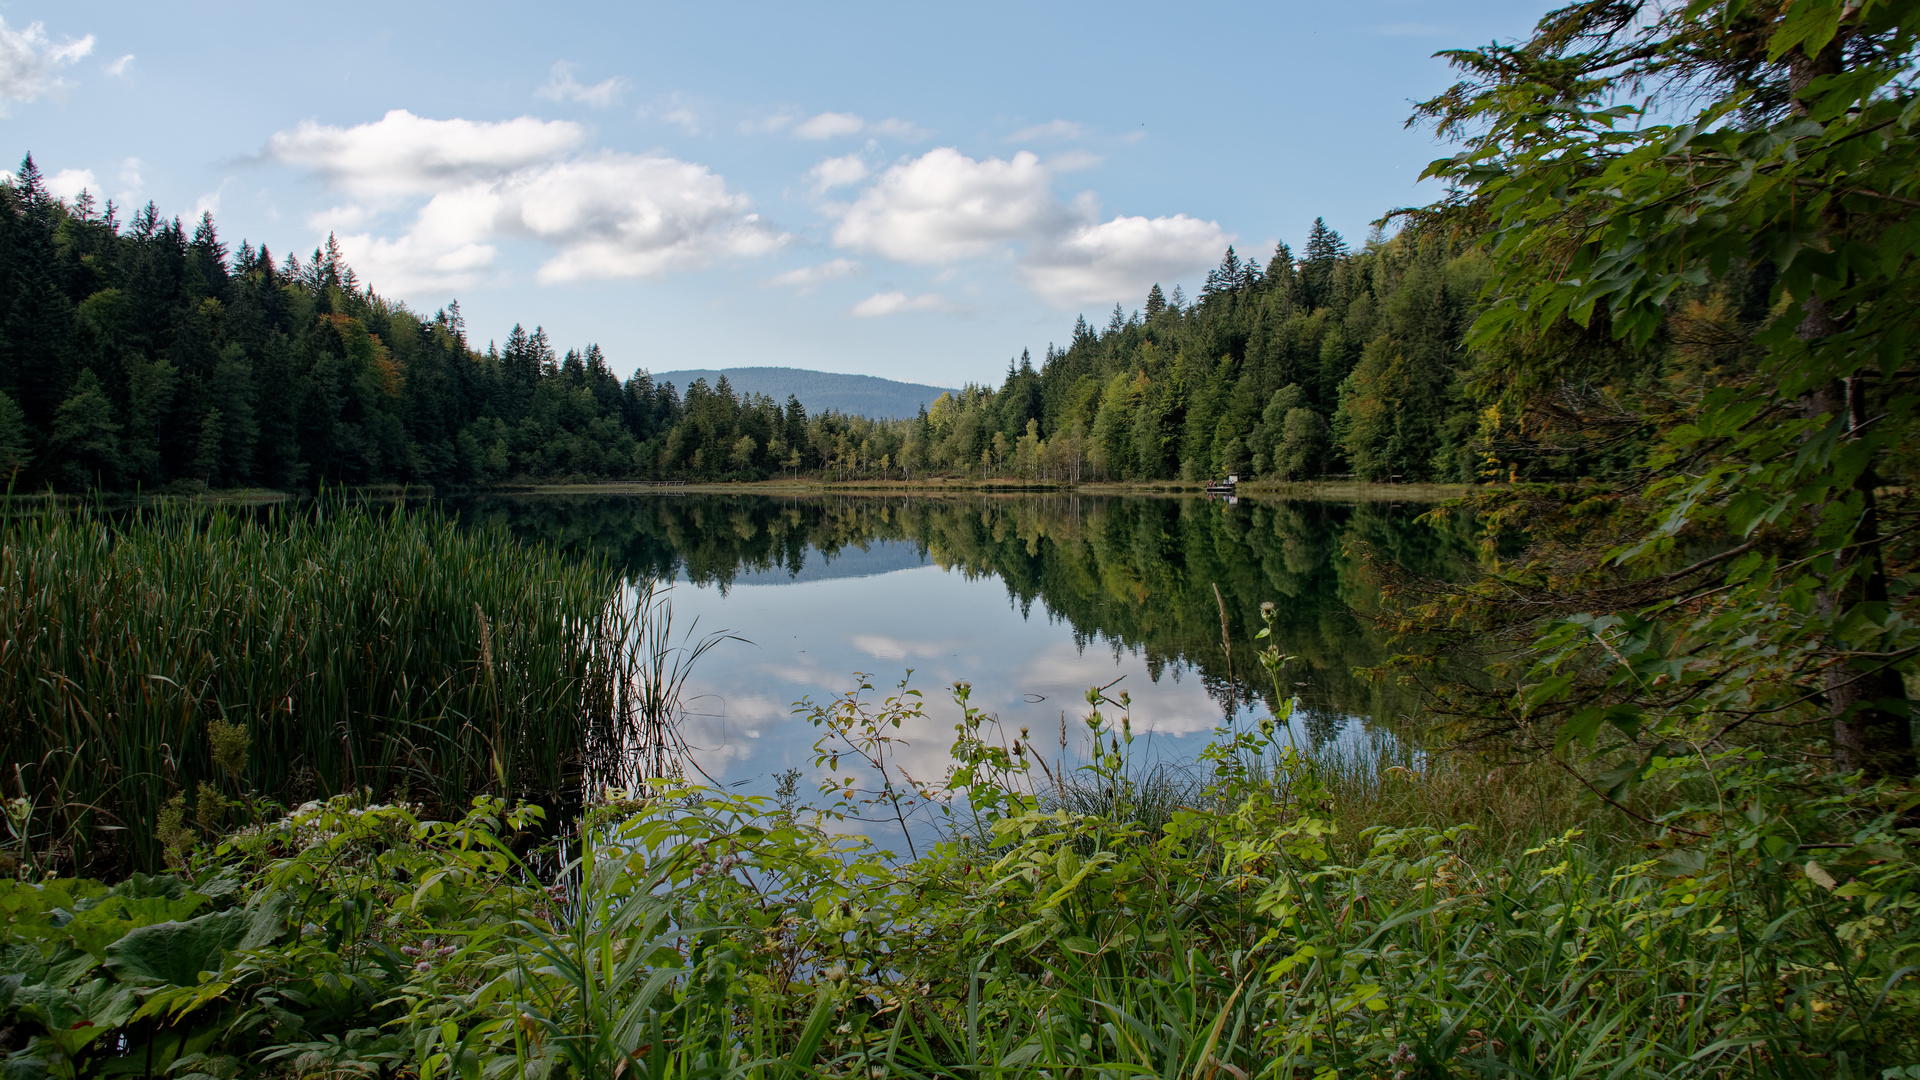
(1252, 924)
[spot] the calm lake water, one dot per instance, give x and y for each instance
(1031, 599)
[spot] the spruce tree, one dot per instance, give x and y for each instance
(1224, 278)
(1325, 249)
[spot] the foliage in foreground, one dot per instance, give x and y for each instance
(1769, 931)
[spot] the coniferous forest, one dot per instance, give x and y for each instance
(141, 353)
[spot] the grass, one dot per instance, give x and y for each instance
(344, 648)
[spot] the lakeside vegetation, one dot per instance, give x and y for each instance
(1272, 914)
(178, 661)
(1662, 820)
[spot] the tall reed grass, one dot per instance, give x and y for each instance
(357, 648)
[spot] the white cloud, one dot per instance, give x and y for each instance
(885, 647)
(892, 303)
(944, 206)
(1073, 161)
(622, 215)
(895, 128)
(806, 278)
(210, 202)
(119, 68)
(1098, 264)
(131, 180)
(1051, 130)
(67, 184)
(562, 86)
(673, 109)
(28, 61)
(404, 154)
(772, 122)
(838, 172)
(829, 124)
(605, 215)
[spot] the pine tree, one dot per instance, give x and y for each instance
(1223, 279)
(1156, 302)
(1083, 336)
(36, 316)
(1325, 249)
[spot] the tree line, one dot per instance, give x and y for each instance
(142, 353)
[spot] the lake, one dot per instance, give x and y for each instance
(1030, 598)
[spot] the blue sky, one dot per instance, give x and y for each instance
(912, 191)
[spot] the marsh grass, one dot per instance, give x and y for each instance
(352, 648)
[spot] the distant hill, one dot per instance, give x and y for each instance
(819, 391)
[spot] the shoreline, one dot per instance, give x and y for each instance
(1305, 491)
(1316, 490)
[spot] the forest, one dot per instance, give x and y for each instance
(142, 354)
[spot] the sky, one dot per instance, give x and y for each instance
(912, 191)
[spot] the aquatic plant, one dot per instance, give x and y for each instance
(217, 657)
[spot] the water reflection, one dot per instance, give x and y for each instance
(1030, 598)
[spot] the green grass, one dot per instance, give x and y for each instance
(385, 650)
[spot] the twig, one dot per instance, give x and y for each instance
(1610, 801)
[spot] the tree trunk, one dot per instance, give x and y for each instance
(1866, 697)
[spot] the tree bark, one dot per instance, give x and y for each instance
(1866, 697)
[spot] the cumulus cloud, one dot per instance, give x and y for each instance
(404, 154)
(29, 60)
(893, 303)
(562, 86)
(838, 172)
(604, 215)
(943, 207)
(622, 215)
(1052, 130)
(1095, 264)
(67, 184)
(806, 278)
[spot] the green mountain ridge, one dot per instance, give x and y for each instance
(818, 391)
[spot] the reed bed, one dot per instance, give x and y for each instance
(332, 649)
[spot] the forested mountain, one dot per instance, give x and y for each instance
(147, 353)
(819, 391)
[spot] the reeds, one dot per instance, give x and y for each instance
(386, 650)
